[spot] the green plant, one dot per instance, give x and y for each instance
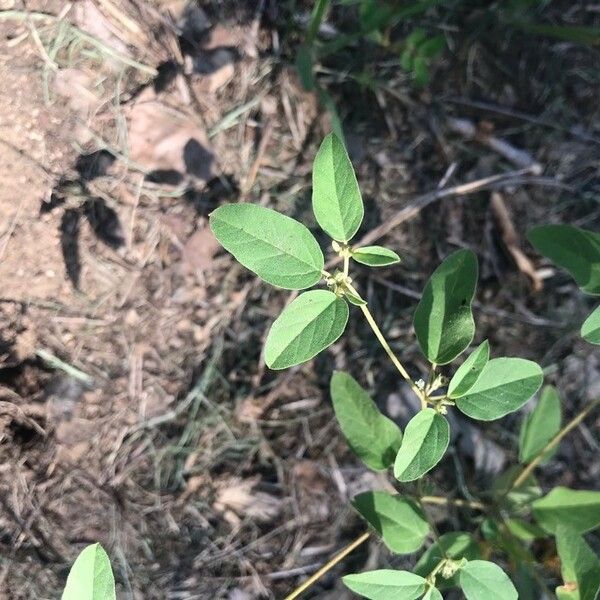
(91, 576)
(508, 518)
(412, 35)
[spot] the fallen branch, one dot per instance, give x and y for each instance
(517, 157)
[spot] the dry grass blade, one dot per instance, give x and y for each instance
(18, 15)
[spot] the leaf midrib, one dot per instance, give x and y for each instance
(280, 250)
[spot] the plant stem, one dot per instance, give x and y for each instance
(328, 566)
(445, 501)
(391, 354)
(365, 536)
(526, 472)
(346, 264)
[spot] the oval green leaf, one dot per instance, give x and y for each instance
(91, 576)
(433, 594)
(386, 584)
(425, 440)
(577, 509)
(572, 248)
(372, 436)
(590, 330)
(375, 256)
(443, 319)
(336, 198)
(540, 426)
(399, 521)
(505, 384)
(580, 566)
(468, 373)
(483, 580)
(279, 249)
(454, 545)
(311, 323)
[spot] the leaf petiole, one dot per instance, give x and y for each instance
(379, 335)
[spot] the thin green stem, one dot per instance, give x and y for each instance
(391, 354)
(431, 577)
(528, 470)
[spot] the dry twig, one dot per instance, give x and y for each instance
(511, 241)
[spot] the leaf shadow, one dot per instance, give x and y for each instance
(69, 243)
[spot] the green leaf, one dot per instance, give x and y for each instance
(316, 18)
(483, 580)
(400, 522)
(443, 319)
(375, 256)
(415, 38)
(524, 530)
(498, 537)
(374, 15)
(304, 66)
(91, 576)
(454, 545)
(432, 47)
(336, 199)
(590, 330)
(540, 426)
(386, 584)
(433, 594)
(277, 248)
(468, 373)
(576, 250)
(589, 36)
(407, 58)
(421, 73)
(425, 440)
(580, 567)
(525, 582)
(311, 323)
(579, 510)
(505, 384)
(372, 436)
(516, 499)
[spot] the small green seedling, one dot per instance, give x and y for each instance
(505, 520)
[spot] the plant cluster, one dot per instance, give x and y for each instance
(414, 35)
(284, 253)
(506, 519)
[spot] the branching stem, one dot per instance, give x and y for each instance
(528, 470)
(365, 536)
